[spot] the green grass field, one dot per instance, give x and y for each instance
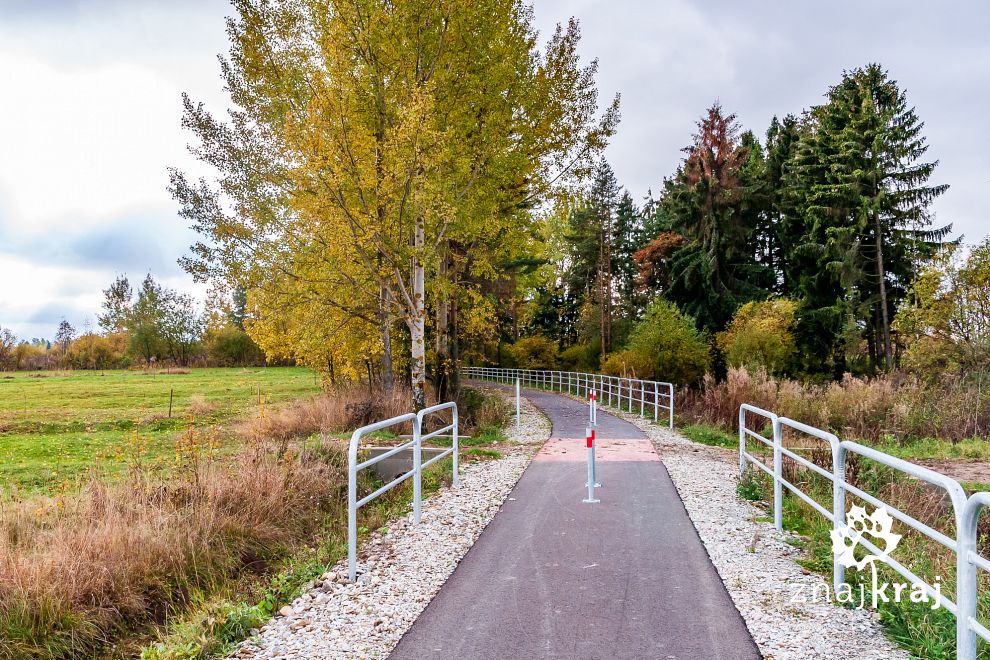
(56, 426)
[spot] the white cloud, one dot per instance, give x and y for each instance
(91, 110)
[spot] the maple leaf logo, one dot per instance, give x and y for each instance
(877, 526)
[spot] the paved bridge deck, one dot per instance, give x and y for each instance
(553, 577)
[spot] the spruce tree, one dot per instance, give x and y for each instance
(627, 240)
(707, 202)
(863, 202)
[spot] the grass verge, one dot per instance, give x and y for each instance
(181, 559)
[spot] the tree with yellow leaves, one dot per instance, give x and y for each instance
(373, 143)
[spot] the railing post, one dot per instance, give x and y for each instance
(670, 388)
(642, 397)
(630, 395)
(518, 406)
(456, 480)
(352, 516)
(742, 442)
(966, 594)
(838, 508)
(656, 401)
(417, 469)
(778, 486)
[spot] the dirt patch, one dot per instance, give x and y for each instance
(965, 471)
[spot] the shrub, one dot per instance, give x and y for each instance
(664, 345)
(231, 346)
(579, 357)
(536, 352)
(91, 352)
(761, 334)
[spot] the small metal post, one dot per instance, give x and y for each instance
(778, 486)
(352, 514)
(839, 509)
(456, 480)
(418, 469)
(742, 442)
(590, 438)
(518, 406)
(670, 388)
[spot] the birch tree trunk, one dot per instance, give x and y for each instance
(417, 319)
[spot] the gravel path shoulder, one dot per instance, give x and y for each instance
(534, 427)
(401, 568)
(758, 565)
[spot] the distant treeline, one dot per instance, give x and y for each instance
(157, 326)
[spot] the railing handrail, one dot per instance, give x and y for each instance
(618, 388)
(416, 444)
(966, 513)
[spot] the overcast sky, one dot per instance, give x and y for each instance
(90, 108)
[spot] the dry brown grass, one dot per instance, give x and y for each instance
(896, 406)
(199, 406)
(79, 569)
(337, 411)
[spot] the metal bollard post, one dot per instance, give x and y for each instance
(591, 499)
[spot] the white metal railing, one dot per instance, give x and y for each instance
(626, 394)
(965, 512)
(416, 444)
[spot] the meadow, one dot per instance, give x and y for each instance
(56, 427)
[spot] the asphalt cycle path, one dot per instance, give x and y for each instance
(554, 577)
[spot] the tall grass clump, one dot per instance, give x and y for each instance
(79, 570)
(896, 406)
(87, 568)
(336, 411)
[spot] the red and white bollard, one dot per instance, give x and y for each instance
(593, 408)
(591, 499)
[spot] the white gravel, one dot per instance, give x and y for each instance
(403, 567)
(400, 569)
(758, 566)
(534, 427)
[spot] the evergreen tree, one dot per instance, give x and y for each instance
(628, 239)
(707, 201)
(863, 203)
(591, 234)
(144, 323)
(64, 336)
(782, 141)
